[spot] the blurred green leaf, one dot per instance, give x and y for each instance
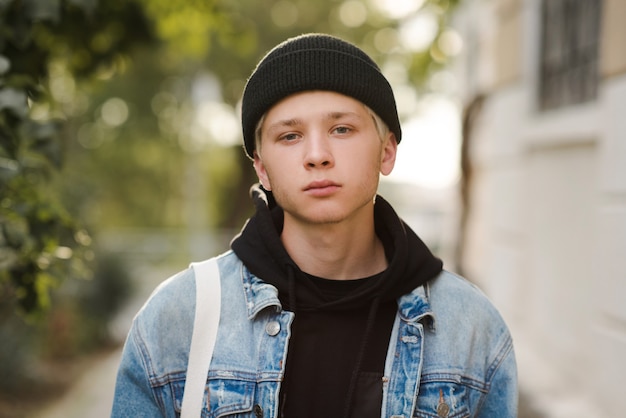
(5, 65)
(42, 10)
(14, 100)
(8, 142)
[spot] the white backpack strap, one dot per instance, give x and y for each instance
(206, 321)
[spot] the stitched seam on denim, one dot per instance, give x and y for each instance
(244, 376)
(455, 378)
(503, 351)
(503, 354)
(146, 360)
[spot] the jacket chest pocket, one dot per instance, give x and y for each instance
(223, 398)
(439, 399)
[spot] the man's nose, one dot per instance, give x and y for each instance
(318, 151)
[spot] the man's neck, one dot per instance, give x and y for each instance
(335, 251)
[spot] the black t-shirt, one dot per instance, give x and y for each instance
(323, 353)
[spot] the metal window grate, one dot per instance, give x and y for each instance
(569, 52)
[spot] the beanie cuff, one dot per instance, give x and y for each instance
(320, 66)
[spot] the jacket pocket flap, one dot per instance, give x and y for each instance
(222, 397)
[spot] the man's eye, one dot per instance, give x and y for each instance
(342, 130)
(289, 137)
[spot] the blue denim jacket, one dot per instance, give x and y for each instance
(450, 353)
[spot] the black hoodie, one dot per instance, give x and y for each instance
(341, 329)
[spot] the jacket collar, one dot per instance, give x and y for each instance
(415, 306)
(258, 294)
(412, 307)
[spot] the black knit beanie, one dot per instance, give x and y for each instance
(315, 62)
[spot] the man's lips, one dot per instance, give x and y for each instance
(321, 187)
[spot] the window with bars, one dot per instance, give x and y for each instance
(569, 52)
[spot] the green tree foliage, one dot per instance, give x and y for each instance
(40, 240)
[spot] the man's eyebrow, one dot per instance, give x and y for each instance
(297, 121)
(339, 115)
(283, 123)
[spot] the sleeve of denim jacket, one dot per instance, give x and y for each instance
(133, 394)
(501, 401)
(156, 349)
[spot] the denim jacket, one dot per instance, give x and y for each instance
(450, 353)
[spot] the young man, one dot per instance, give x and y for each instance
(331, 306)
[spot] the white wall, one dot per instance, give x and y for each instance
(547, 229)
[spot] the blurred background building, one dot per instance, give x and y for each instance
(544, 156)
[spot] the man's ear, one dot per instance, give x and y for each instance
(388, 158)
(261, 172)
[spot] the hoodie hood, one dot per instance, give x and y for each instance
(410, 262)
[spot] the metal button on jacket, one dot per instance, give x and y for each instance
(258, 411)
(272, 328)
(443, 410)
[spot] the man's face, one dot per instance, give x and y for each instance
(321, 156)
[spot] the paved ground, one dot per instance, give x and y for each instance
(92, 394)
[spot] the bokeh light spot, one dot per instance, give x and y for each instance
(114, 112)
